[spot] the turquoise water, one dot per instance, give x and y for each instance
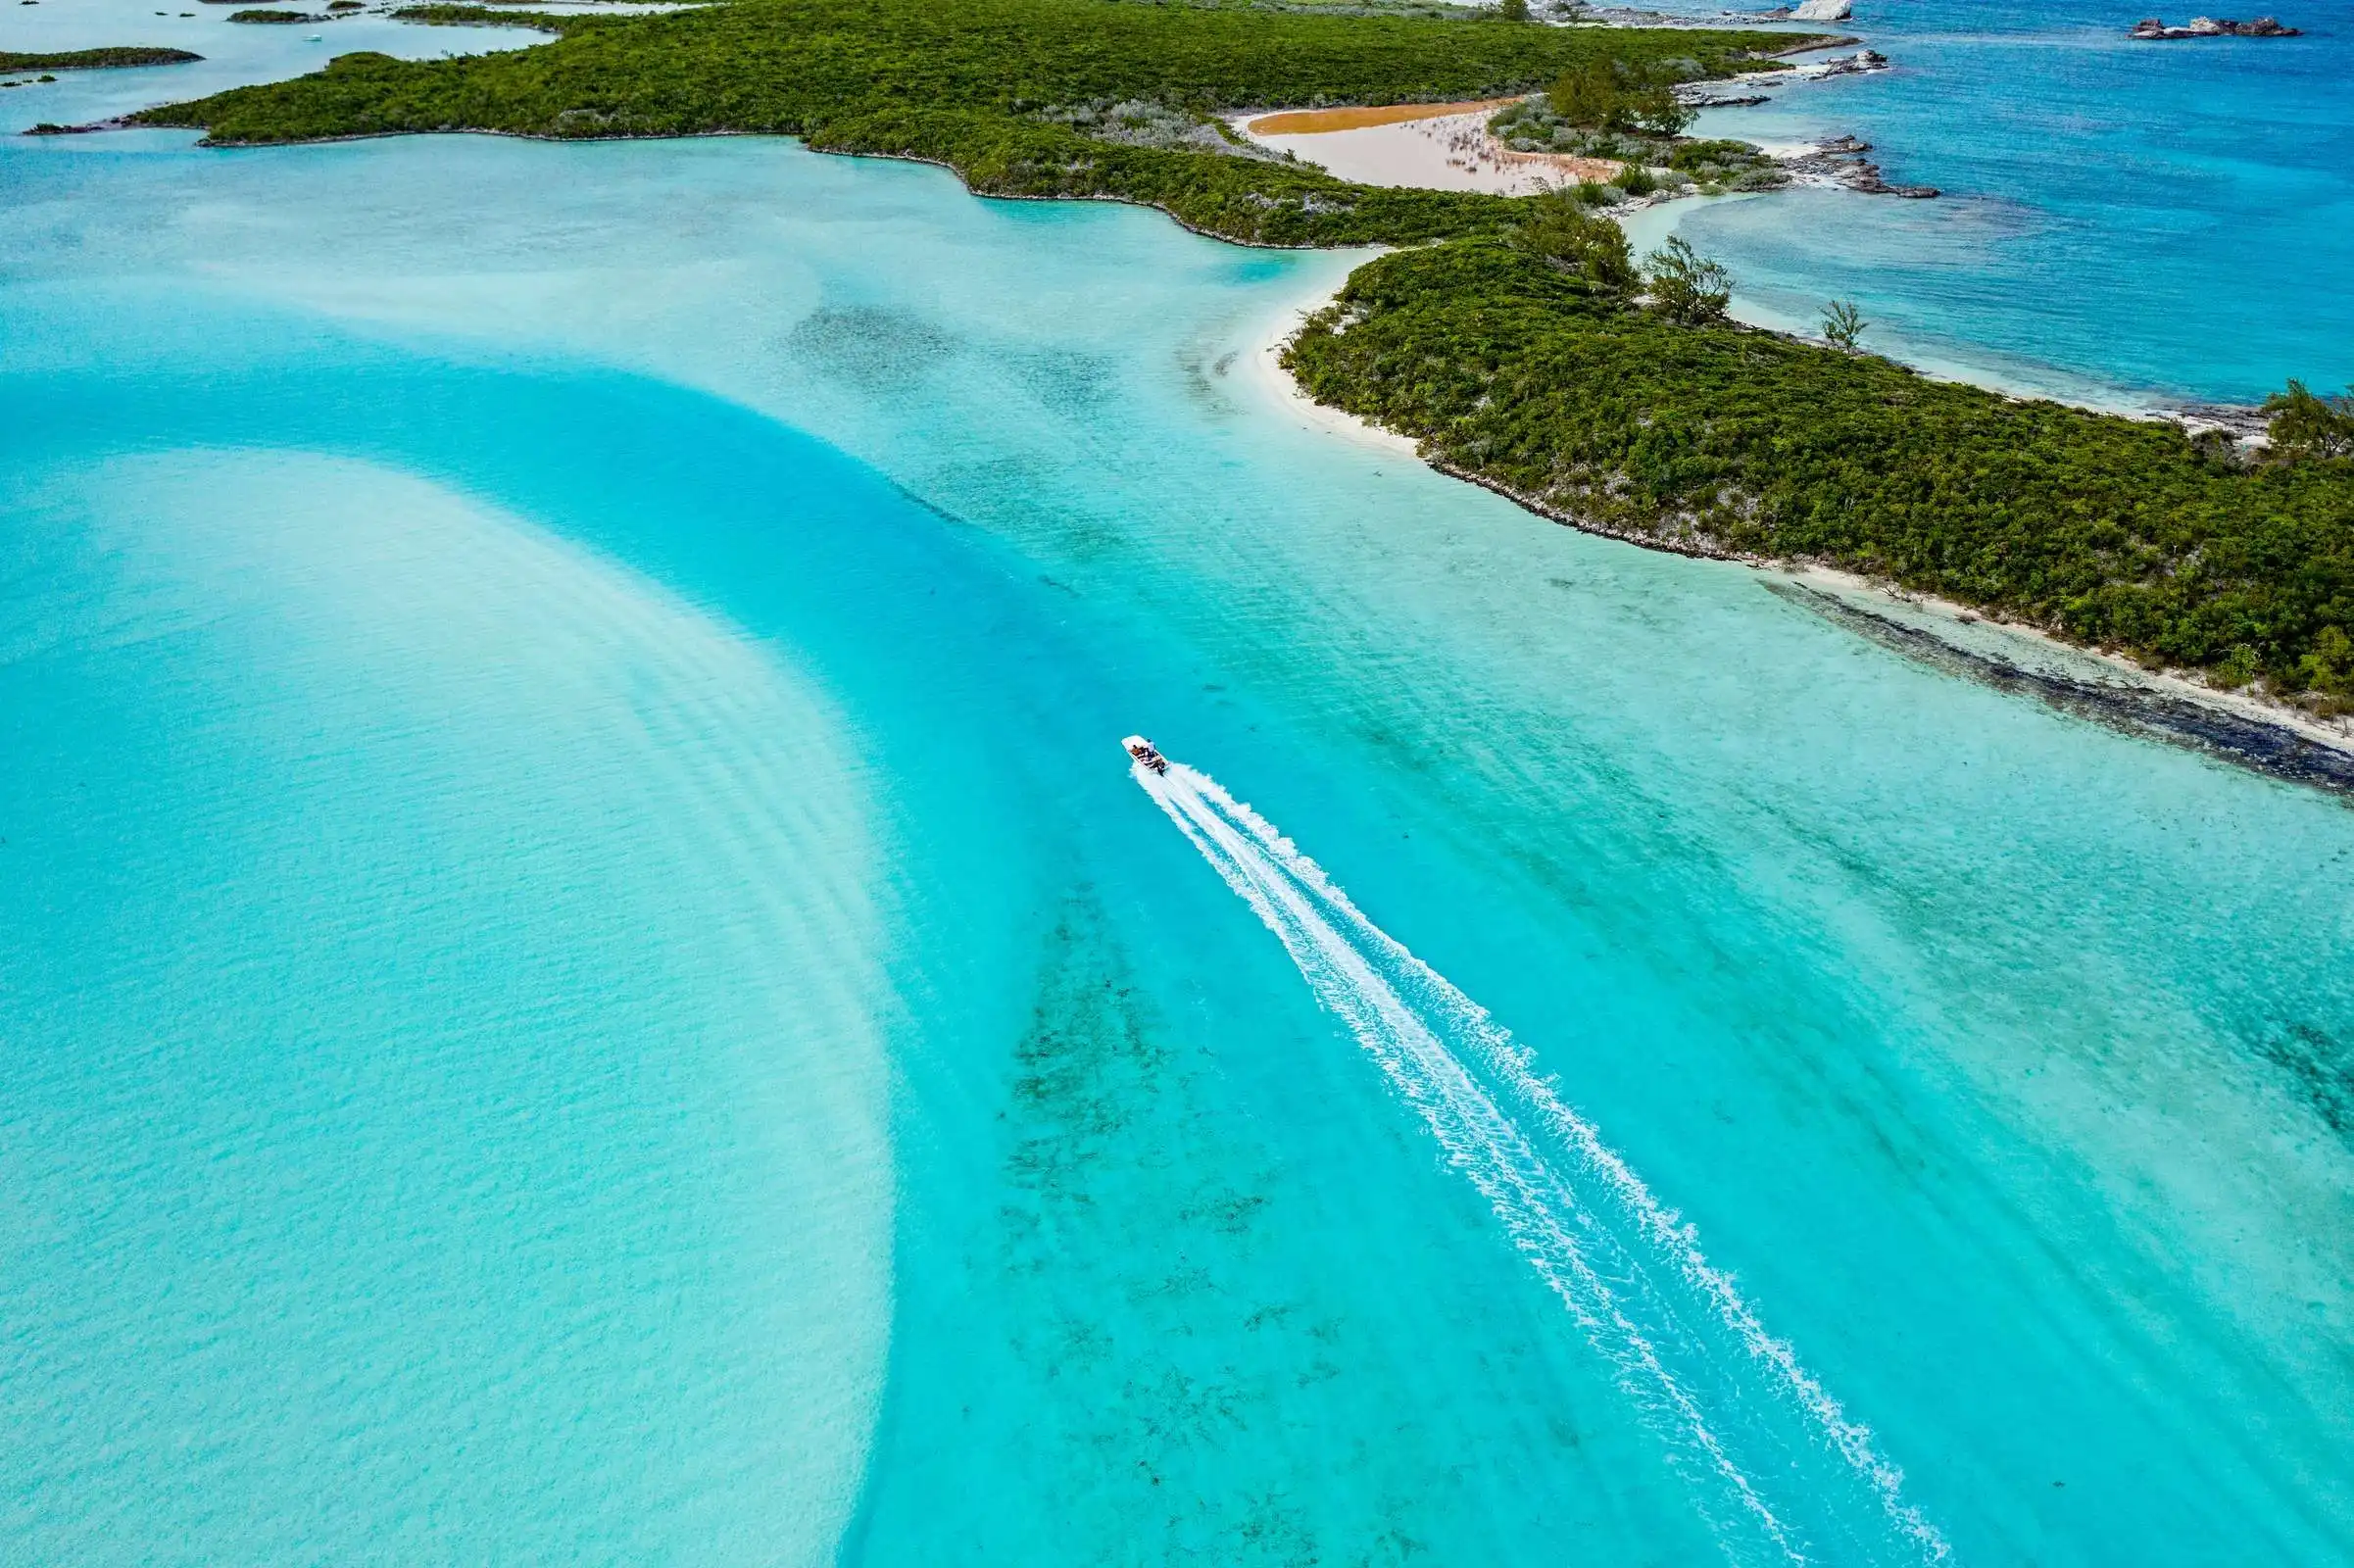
(2156, 222)
(230, 54)
(584, 978)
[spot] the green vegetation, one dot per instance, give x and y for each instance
(1844, 327)
(95, 59)
(273, 16)
(1614, 95)
(1687, 287)
(1516, 349)
(1723, 164)
(2306, 427)
(1015, 95)
(1539, 381)
(1634, 118)
(1560, 231)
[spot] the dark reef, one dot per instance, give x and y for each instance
(2271, 748)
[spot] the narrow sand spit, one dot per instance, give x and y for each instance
(1429, 146)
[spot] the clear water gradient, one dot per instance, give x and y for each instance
(2122, 220)
(584, 979)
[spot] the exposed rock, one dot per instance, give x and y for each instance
(1822, 10)
(1840, 162)
(1855, 65)
(2151, 29)
(2239, 420)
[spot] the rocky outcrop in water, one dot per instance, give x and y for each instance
(1738, 92)
(2213, 28)
(1840, 161)
(1858, 63)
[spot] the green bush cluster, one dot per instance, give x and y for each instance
(1721, 439)
(977, 85)
(2304, 426)
(1511, 348)
(1687, 286)
(1724, 164)
(1558, 228)
(1533, 126)
(94, 59)
(1619, 95)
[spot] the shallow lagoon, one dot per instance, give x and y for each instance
(577, 932)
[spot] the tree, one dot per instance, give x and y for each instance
(1844, 327)
(2304, 426)
(1605, 95)
(1651, 105)
(1512, 10)
(1586, 97)
(1687, 286)
(1558, 228)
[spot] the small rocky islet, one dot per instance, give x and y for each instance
(2151, 28)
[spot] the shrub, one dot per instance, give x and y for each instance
(2304, 426)
(1844, 327)
(1611, 95)
(1687, 286)
(1560, 229)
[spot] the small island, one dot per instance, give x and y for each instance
(273, 16)
(1517, 340)
(2150, 28)
(96, 59)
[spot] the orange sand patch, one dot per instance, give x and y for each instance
(1595, 171)
(1307, 122)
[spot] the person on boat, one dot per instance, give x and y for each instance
(1145, 752)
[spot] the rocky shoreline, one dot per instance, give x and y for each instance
(2246, 740)
(2170, 709)
(1840, 162)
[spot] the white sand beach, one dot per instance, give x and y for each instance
(1260, 370)
(1441, 147)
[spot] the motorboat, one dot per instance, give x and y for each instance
(1145, 752)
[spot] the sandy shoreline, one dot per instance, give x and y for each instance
(2105, 687)
(1260, 368)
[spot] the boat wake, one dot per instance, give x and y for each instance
(1776, 1467)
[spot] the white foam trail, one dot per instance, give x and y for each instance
(1732, 1401)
